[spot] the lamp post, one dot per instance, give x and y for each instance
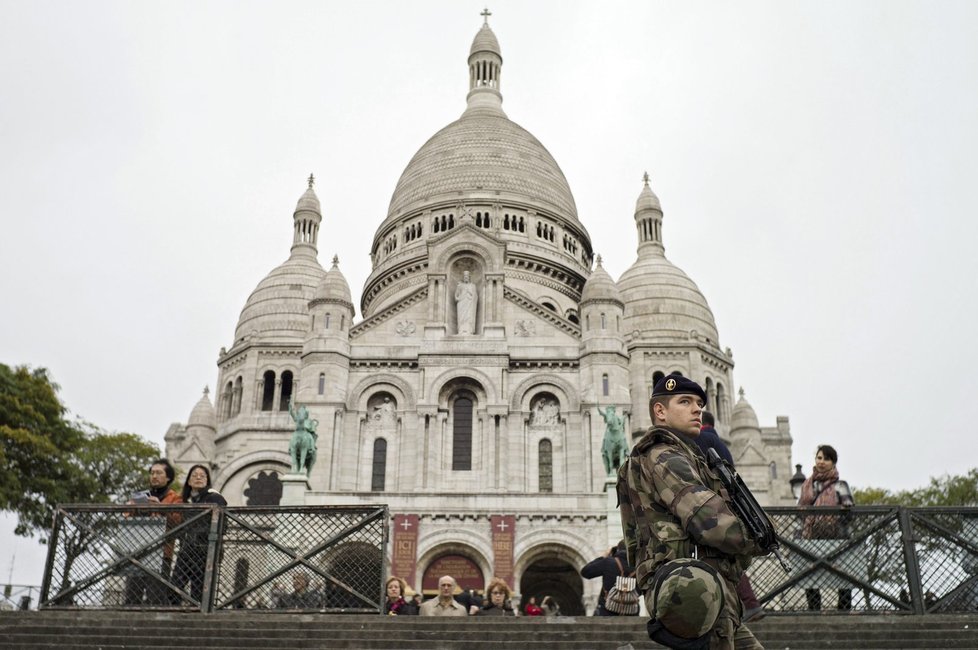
(797, 481)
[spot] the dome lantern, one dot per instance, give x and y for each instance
(306, 220)
(485, 68)
(648, 218)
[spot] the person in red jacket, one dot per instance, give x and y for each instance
(532, 609)
(161, 475)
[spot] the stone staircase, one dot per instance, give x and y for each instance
(110, 630)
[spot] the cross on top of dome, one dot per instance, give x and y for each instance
(312, 180)
(485, 15)
(645, 179)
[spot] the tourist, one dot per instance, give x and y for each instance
(161, 475)
(301, 597)
(608, 567)
(498, 603)
(193, 545)
(824, 489)
(396, 603)
(445, 604)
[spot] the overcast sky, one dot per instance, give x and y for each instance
(816, 164)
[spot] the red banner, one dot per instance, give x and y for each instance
(503, 534)
(405, 556)
(466, 573)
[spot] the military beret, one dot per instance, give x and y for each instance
(676, 384)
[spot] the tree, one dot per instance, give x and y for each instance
(37, 443)
(47, 459)
(944, 490)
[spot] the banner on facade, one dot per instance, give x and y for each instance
(466, 572)
(405, 555)
(503, 534)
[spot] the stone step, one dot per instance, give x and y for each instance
(66, 629)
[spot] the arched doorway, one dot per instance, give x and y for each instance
(554, 577)
(466, 572)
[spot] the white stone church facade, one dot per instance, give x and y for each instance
(469, 388)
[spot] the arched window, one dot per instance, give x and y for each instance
(268, 391)
(379, 472)
(322, 383)
(587, 321)
(462, 434)
(342, 322)
(326, 321)
(546, 462)
(721, 403)
(604, 384)
(236, 395)
(550, 306)
(774, 470)
(604, 321)
(227, 400)
(283, 402)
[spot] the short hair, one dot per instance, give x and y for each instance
(498, 583)
(707, 418)
(167, 467)
(658, 399)
(400, 582)
(828, 452)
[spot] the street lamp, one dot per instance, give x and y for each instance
(797, 481)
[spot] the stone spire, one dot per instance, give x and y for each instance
(648, 219)
(306, 220)
(485, 67)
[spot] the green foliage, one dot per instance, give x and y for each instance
(944, 490)
(46, 459)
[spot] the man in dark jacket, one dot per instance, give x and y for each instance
(607, 568)
(710, 439)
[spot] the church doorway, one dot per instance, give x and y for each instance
(465, 571)
(556, 578)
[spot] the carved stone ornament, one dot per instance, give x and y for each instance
(526, 328)
(405, 327)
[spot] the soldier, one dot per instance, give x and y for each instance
(674, 507)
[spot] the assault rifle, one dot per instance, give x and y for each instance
(746, 507)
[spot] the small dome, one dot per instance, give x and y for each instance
(647, 200)
(203, 413)
(743, 416)
(278, 309)
(334, 287)
(308, 201)
(662, 301)
(600, 286)
(485, 41)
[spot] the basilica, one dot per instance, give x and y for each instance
(491, 355)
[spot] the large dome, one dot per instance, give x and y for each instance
(483, 152)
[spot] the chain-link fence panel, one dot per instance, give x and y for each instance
(120, 556)
(328, 559)
(841, 559)
(946, 542)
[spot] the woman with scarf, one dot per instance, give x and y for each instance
(396, 605)
(824, 489)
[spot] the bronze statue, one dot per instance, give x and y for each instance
(302, 447)
(614, 447)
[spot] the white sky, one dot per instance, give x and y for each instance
(816, 163)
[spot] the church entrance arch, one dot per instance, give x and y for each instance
(551, 575)
(466, 572)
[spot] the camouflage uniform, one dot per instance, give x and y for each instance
(673, 506)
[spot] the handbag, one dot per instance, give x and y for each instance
(622, 599)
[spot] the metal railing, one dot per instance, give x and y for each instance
(21, 597)
(872, 559)
(207, 558)
(869, 559)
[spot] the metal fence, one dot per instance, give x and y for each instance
(872, 559)
(207, 558)
(22, 597)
